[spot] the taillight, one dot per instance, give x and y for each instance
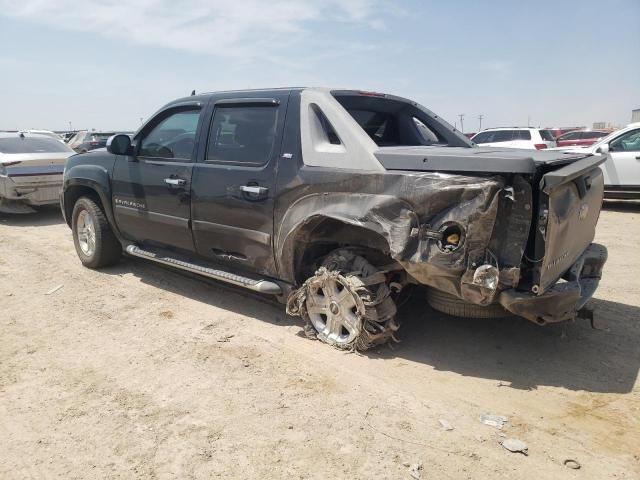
(540, 146)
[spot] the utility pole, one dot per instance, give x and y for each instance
(480, 120)
(461, 116)
(70, 127)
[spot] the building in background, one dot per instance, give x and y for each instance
(635, 115)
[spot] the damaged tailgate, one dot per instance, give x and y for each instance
(569, 203)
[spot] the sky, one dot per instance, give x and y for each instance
(107, 64)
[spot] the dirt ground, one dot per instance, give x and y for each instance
(140, 372)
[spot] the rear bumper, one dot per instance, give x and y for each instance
(31, 191)
(563, 300)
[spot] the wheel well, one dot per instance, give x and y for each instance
(320, 237)
(71, 196)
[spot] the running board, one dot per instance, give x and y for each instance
(262, 286)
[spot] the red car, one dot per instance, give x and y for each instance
(580, 138)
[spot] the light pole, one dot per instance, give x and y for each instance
(461, 116)
(480, 120)
(70, 127)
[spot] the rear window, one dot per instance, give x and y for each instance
(547, 135)
(40, 144)
(381, 127)
(393, 123)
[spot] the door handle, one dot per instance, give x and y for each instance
(178, 182)
(254, 189)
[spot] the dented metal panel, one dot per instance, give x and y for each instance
(405, 209)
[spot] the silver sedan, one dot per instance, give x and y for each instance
(31, 169)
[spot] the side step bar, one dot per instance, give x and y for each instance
(262, 286)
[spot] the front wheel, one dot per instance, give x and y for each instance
(95, 243)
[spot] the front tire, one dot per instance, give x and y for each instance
(95, 243)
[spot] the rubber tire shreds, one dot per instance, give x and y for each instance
(456, 307)
(108, 249)
(379, 325)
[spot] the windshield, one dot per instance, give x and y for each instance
(39, 144)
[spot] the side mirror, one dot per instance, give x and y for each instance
(119, 145)
(604, 149)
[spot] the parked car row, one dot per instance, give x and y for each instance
(283, 182)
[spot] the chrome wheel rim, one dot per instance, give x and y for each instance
(335, 311)
(86, 233)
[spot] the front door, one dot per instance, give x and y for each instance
(234, 180)
(622, 167)
(152, 188)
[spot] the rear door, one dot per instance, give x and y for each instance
(234, 180)
(152, 188)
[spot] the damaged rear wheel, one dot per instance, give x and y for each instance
(456, 307)
(346, 303)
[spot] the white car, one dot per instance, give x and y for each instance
(622, 167)
(516, 137)
(31, 168)
(48, 133)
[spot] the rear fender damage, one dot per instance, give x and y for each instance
(412, 215)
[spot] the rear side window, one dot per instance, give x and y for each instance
(496, 136)
(28, 144)
(522, 135)
(172, 138)
(570, 136)
(593, 134)
(242, 135)
(547, 135)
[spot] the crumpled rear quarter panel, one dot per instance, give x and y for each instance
(394, 203)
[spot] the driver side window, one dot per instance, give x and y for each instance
(173, 138)
(629, 142)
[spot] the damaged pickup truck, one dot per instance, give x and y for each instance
(334, 201)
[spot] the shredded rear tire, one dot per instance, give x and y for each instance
(456, 307)
(373, 307)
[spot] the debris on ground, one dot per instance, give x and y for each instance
(414, 471)
(225, 338)
(54, 289)
(445, 424)
(516, 446)
(571, 463)
(496, 421)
